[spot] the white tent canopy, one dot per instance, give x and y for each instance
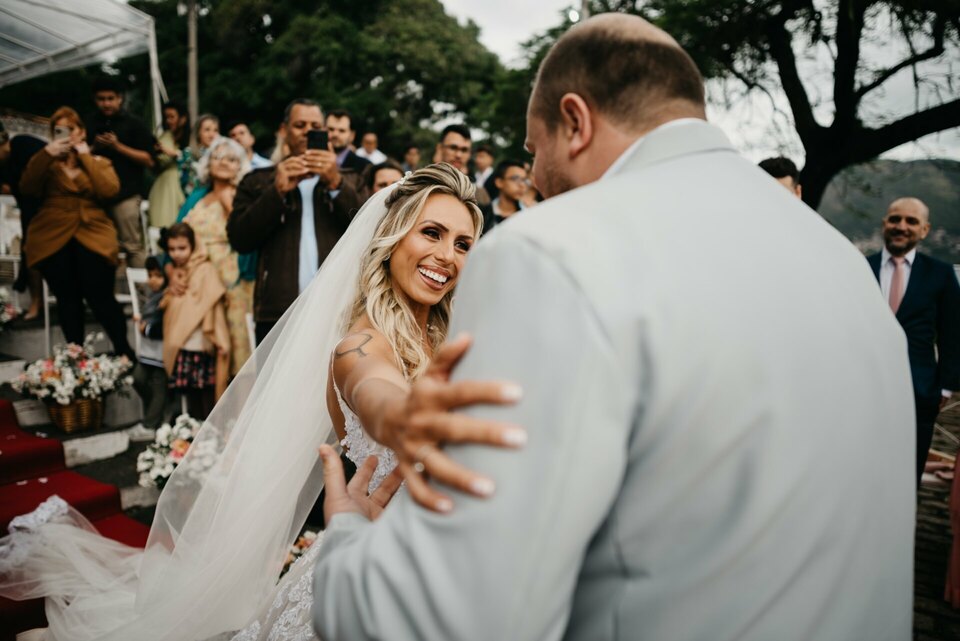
(38, 37)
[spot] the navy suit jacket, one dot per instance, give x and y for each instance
(930, 317)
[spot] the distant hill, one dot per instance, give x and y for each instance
(857, 200)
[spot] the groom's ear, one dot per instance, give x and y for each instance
(576, 123)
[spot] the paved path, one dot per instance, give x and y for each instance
(934, 619)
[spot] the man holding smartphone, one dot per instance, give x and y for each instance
(293, 213)
(129, 145)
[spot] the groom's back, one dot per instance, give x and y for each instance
(767, 491)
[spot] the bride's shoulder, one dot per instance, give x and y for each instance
(359, 345)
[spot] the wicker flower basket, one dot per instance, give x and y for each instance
(80, 415)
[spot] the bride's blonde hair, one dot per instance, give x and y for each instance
(386, 307)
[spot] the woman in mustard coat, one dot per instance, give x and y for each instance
(71, 240)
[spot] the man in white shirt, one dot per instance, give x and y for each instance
(698, 362)
(924, 295)
(368, 149)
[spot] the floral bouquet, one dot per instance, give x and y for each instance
(156, 463)
(8, 311)
(298, 549)
(74, 372)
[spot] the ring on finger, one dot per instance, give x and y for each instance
(420, 457)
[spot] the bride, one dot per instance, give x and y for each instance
(372, 317)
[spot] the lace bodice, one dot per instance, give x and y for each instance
(359, 445)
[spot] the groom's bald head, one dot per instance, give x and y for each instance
(626, 69)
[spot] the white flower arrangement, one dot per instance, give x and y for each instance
(298, 549)
(8, 310)
(74, 372)
(157, 463)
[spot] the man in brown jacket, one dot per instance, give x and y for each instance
(293, 214)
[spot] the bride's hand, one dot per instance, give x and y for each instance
(352, 497)
(414, 426)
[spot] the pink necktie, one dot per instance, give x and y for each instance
(896, 283)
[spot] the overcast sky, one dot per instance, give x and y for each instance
(504, 24)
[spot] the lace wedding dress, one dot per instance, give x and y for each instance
(288, 617)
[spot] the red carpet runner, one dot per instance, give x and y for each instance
(32, 469)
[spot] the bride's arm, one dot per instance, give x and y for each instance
(368, 378)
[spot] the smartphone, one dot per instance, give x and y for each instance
(61, 133)
(317, 139)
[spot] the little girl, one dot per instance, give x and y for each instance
(196, 339)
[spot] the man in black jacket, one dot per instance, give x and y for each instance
(293, 214)
(924, 294)
(130, 146)
(341, 132)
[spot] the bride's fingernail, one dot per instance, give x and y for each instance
(511, 392)
(444, 505)
(482, 487)
(515, 437)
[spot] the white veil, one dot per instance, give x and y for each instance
(232, 508)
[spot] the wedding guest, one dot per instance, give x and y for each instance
(454, 146)
(511, 180)
(72, 241)
(411, 158)
(166, 195)
(454, 149)
(482, 164)
(239, 131)
(785, 172)
(219, 172)
(196, 340)
(929, 315)
(206, 131)
(150, 378)
(382, 176)
(353, 167)
(15, 153)
(293, 213)
(129, 145)
(368, 149)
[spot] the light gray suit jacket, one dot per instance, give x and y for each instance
(720, 423)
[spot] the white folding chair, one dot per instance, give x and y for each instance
(135, 276)
(138, 276)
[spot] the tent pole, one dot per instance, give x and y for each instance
(192, 89)
(156, 82)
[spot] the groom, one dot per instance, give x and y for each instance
(703, 363)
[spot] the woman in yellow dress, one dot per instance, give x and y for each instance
(220, 170)
(166, 195)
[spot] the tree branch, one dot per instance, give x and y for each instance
(849, 29)
(873, 142)
(936, 49)
(780, 42)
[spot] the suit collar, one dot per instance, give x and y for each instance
(668, 141)
(910, 256)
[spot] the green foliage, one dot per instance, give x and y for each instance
(398, 66)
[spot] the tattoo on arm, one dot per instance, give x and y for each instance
(358, 349)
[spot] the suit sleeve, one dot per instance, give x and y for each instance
(505, 567)
(948, 332)
(258, 209)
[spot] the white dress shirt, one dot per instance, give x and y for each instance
(886, 271)
(309, 254)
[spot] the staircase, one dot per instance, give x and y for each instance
(31, 470)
